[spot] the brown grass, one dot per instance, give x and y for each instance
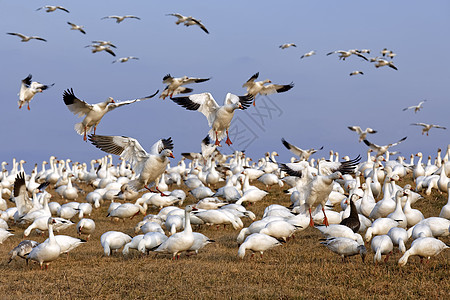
(300, 269)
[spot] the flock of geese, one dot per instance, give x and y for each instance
(317, 187)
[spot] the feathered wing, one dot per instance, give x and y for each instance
(161, 145)
(297, 151)
(128, 148)
(21, 198)
(207, 147)
(76, 106)
(245, 101)
(395, 144)
(203, 103)
(355, 128)
(346, 167)
(195, 80)
(118, 104)
(251, 80)
(276, 88)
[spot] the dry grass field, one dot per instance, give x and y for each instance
(300, 269)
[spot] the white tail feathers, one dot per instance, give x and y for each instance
(79, 128)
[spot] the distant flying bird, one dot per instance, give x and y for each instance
(382, 149)
(77, 27)
(26, 38)
(303, 154)
(356, 73)
(188, 21)
(384, 52)
(427, 127)
(258, 87)
(174, 83)
(415, 107)
(310, 53)
(363, 51)
(219, 117)
(383, 62)
(121, 18)
(102, 43)
(50, 8)
(93, 113)
(28, 89)
(124, 59)
(284, 46)
(98, 48)
(344, 54)
(391, 54)
(148, 166)
(362, 134)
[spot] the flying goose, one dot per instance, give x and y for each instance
(258, 87)
(188, 21)
(427, 127)
(50, 8)
(77, 27)
(382, 149)
(344, 54)
(173, 84)
(125, 59)
(303, 154)
(416, 107)
(284, 46)
(93, 113)
(219, 117)
(98, 48)
(362, 134)
(308, 54)
(121, 18)
(383, 62)
(28, 89)
(356, 73)
(26, 38)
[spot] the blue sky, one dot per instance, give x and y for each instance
(244, 39)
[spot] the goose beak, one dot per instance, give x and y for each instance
(240, 106)
(171, 155)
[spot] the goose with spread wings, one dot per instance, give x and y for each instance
(219, 117)
(148, 166)
(93, 113)
(51, 8)
(174, 84)
(362, 133)
(319, 187)
(258, 87)
(380, 150)
(26, 38)
(188, 21)
(426, 127)
(121, 18)
(303, 154)
(28, 89)
(415, 107)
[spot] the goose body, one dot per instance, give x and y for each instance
(22, 250)
(28, 89)
(257, 242)
(47, 251)
(381, 245)
(113, 240)
(423, 247)
(86, 226)
(345, 247)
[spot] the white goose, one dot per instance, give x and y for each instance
(47, 251)
(413, 216)
(133, 244)
(423, 247)
(398, 214)
(426, 127)
(93, 113)
(257, 242)
(445, 211)
(362, 134)
(4, 234)
(337, 230)
(345, 247)
(113, 240)
(180, 241)
(379, 227)
(150, 241)
(86, 226)
(258, 87)
(28, 89)
(126, 210)
(381, 245)
(279, 229)
(219, 117)
(174, 84)
(399, 237)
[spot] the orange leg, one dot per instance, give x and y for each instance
(162, 194)
(254, 102)
(325, 220)
(311, 222)
(228, 141)
(95, 128)
(28, 104)
(84, 138)
(217, 140)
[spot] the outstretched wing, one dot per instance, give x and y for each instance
(76, 106)
(346, 167)
(251, 80)
(292, 169)
(195, 80)
(245, 101)
(296, 150)
(161, 145)
(27, 80)
(201, 25)
(355, 128)
(420, 124)
(204, 103)
(395, 144)
(276, 88)
(118, 104)
(21, 198)
(128, 148)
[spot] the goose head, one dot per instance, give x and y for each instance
(167, 153)
(362, 251)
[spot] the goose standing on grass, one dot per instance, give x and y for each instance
(416, 107)
(22, 250)
(381, 245)
(121, 18)
(345, 247)
(26, 38)
(148, 166)
(86, 226)
(380, 150)
(258, 87)
(51, 8)
(399, 237)
(28, 89)
(4, 235)
(257, 242)
(426, 127)
(219, 117)
(362, 134)
(93, 113)
(445, 210)
(47, 251)
(180, 241)
(423, 247)
(174, 85)
(113, 240)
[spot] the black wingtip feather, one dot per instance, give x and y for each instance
(167, 143)
(186, 103)
(69, 96)
(286, 144)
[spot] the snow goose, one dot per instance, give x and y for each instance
(86, 226)
(99, 48)
(193, 21)
(279, 229)
(151, 227)
(344, 54)
(113, 240)
(125, 59)
(381, 245)
(4, 234)
(426, 127)
(308, 54)
(180, 241)
(151, 241)
(93, 113)
(445, 211)
(28, 89)
(385, 206)
(121, 18)
(357, 72)
(219, 117)
(258, 87)
(270, 179)
(302, 154)
(413, 216)
(416, 107)
(399, 237)
(398, 214)
(321, 186)
(367, 200)
(76, 27)
(218, 217)
(439, 226)
(47, 251)
(287, 45)
(420, 230)
(383, 62)
(379, 227)
(26, 38)
(337, 230)
(380, 150)
(257, 242)
(423, 247)
(22, 250)
(443, 181)
(345, 247)
(68, 243)
(252, 195)
(174, 85)
(200, 241)
(133, 244)
(148, 166)
(362, 134)
(51, 8)
(126, 210)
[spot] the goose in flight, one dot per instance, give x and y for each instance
(362, 134)
(303, 154)
(344, 54)
(50, 8)
(174, 83)
(308, 54)
(427, 127)
(416, 107)
(28, 89)
(219, 117)
(26, 38)
(102, 43)
(125, 59)
(284, 46)
(380, 150)
(98, 48)
(93, 113)
(383, 62)
(148, 166)
(178, 90)
(258, 87)
(188, 21)
(121, 18)
(356, 73)
(77, 27)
